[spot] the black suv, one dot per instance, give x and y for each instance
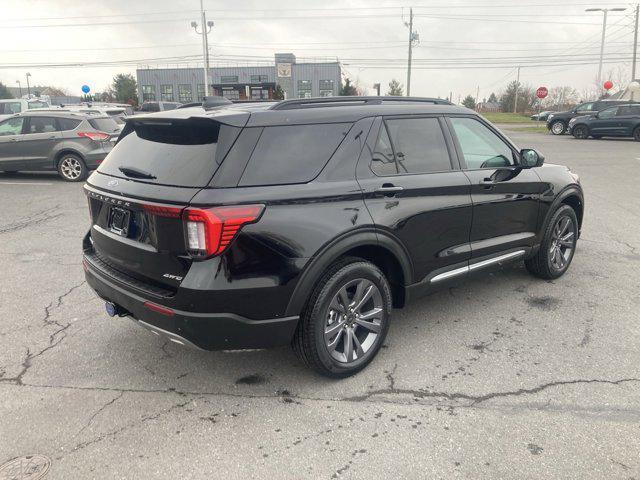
(304, 222)
(558, 123)
(620, 121)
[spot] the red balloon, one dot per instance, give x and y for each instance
(608, 85)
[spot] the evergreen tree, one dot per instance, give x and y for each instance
(395, 89)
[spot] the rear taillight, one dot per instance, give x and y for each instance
(209, 231)
(162, 211)
(95, 136)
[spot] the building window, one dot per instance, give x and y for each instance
(166, 93)
(304, 88)
(200, 92)
(148, 93)
(326, 88)
(259, 78)
(185, 95)
(259, 94)
(229, 79)
(231, 94)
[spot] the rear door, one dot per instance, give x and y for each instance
(606, 123)
(416, 193)
(39, 138)
(627, 119)
(138, 193)
(505, 197)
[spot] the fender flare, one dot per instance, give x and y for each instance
(318, 264)
(564, 193)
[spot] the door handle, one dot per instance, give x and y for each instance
(488, 183)
(52, 137)
(388, 189)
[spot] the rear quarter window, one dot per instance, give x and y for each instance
(107, 125)
(66, 124)
(293, 153)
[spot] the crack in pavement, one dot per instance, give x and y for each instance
(35, 219)
(100, 410)
(58, 302)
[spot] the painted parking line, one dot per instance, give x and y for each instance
(25, 183)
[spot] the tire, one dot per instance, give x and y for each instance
(636, 134)
(10, 172)
(580, 132)
(72, 168)
(545, 264)
(558, 127)
(323, 347)
(597, 137)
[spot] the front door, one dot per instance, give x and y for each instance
(505, 197)
(606, 123)
(416, 192)
(10, 133)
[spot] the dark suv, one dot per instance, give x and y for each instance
(558, 123)
(620, 121)
(306, 221)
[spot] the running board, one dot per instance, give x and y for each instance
(477, 266)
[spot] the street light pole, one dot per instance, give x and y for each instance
(604, 32)
(515, 103)
(19, 87)
(28, 88)
(206, 28)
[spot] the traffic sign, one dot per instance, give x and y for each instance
(542, 92)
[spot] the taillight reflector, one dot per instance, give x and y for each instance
(210, 231)
(95, 136)
(162, 211)
(158, 308)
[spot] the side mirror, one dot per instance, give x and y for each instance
(530, 158)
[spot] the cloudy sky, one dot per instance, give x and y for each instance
(464, 44)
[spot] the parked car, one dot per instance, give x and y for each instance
(619, 121)
(159, 106)
(71, 143)
(306, 221)
(542, 116)
(118, 114)
(12, 106)
(558, 122)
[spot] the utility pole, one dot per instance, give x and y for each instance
(477, 95)
(206, 28)
(19, 87)
(515, 103)
(635, 45)
(413, 37)
(604, 31)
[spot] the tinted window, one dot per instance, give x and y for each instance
(9, 108)
(608, 113)
(419, 145)
(42, 125)
(383, 161)
(37, 104)
(181, 153)
(107, 125)
(66, 124)
(150, 107)
(11, 126)
(481, 147)
(629, 110)
(585, 107)
(292, 154)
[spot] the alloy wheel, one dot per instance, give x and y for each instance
(580, 132)
(71, 168)
(557, 128)
(563, 240)
(354, 321)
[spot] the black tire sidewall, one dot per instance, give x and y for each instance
(564, 210)
(334, 283)
(636, 134)
(82, 176)
(580, 128)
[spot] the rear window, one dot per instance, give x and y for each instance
(9, 108)
(180, 153)
(107, 125)
(292, 154)
(31, 105)
(68, 123)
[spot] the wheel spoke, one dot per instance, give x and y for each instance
(364, 297)
(337, 306)
(564, 225)
(344, 298)
(566, 243)
(371, 326)
(332, 344)
(375, 312)
(348, 344)
(331, 330)
(359, 351)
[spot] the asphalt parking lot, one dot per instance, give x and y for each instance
(503, 376)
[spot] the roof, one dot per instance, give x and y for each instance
(269, 114)
(40, 112)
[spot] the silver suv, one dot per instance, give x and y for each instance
(71, 143)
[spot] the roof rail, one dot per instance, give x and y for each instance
(351, 101)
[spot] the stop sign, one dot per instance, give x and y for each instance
(542, 92)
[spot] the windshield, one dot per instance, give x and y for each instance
(37, 104)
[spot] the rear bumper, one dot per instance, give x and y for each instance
(207, 331)
(94, 158)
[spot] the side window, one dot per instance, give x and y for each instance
(628, 110)
(383, 162)
(11, 126)
(585, 107)
(42, 125)
(481, 147)
(292, 153)
(9, 108)
(608, 113)
(67, 124)
(418, 144)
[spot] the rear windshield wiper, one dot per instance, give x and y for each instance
(135, 173)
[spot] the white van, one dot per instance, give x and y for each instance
(12, 106)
